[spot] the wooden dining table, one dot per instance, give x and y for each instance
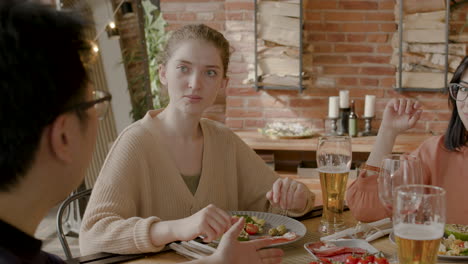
(294, 253)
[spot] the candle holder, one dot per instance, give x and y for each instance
(333, 125)
(367, 127)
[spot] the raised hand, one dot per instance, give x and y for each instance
(401, 115)
(231, 251)
(210, 222)
(288, 194)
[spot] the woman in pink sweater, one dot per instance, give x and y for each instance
(173, 175)
(444, 158)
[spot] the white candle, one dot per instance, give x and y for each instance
(369, 106)
(333, 107)
(344, 99)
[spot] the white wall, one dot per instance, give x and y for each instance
(113, 68)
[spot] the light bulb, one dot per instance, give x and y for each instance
(112, 25)
(95, 48)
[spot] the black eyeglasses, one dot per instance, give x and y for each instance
(100, 103)
(458, 92)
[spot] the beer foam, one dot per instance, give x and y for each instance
(333, 169)
(419, 232)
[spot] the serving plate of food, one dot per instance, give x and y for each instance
(344, 251)
(284, 130)
(454, 244)
(259, 225)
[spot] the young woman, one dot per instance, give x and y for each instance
(444, 158)
(172, 175)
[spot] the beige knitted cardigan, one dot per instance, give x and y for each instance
(139, 185)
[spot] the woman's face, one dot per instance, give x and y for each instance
(193, 76)
(462, 106)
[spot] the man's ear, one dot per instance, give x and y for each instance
(162, 74)
(60, 137)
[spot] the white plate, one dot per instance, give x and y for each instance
(452, 258)
(355, 243)
(274, 220)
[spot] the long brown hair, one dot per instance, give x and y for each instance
(456, 136)
(197, 32)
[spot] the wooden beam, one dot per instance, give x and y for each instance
(279, 66)
(458, 49)
(420, 6)
(289, 23)
(281, 36)
(270, 8)
(430, 80)
(424, 36)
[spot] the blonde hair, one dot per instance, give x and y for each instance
(197, 32)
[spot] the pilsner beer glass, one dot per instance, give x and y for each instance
(333, 162)
(418, 222)
(396, 170)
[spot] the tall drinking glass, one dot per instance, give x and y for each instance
(418, 222)
(333, 162)
(397, 170)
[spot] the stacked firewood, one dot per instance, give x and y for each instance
(423, 49)
(278, 44)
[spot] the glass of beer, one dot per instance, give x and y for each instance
(418, 222)
(333, 162)
(396, 170)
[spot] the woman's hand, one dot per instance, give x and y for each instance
(231, 251)
(288, 194)
(401, 115)
(210, 222)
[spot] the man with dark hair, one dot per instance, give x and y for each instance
(48, 115)
(48, 124)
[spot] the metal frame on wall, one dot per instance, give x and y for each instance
(300, 87)
(399, 87)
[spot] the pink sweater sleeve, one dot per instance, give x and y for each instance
(363, 199)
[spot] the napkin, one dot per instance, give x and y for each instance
(363, 231)
(192, 249)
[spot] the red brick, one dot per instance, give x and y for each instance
(341, 70)
(368, 82)
(356, 37)
(344, 16)
(320, 4)
(387, 82)
(323, 48)
(347, 81)
(360, 27)
(172, 7)
(237, 67)
(234, 102)
(280, 113)
(358, 5)
(444, 116)
(318, 114)
(388, 27)
(321, 92)
(312, 103)
(187, 16)
(370, 59)
(385, 49)
(256, 123)
(278, 93)
(428, 116)
(377, 38)
(239, 5)
(203, 7)
(233, 112)
(248, 16)
(268, 102)
(330, 59)
(361, 92)
(312, 16)
(434, 104)
(380, 16)
(322, 27)
(214, 25)
(315, 36)
(170, 16)
(336, 37)
(233, 123)
(387, 5)
(352, 48)
(236, 91)
(234, 16)
(378, 70)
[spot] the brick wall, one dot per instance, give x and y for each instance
(346, 46)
